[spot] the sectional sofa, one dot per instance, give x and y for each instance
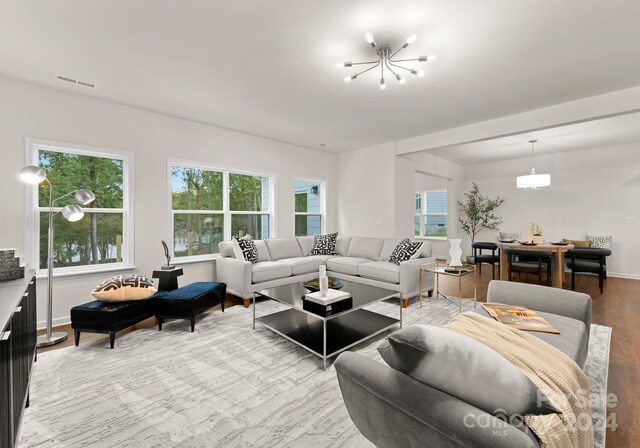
(283, 261)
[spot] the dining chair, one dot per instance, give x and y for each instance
(592, 260)
(480, 258)
(538, 261)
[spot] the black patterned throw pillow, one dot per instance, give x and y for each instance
(404, 251)
(245, 249)
(122, 288)
(324, 244)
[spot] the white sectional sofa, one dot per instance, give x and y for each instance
(283, 261)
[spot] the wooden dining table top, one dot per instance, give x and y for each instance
(543, 246)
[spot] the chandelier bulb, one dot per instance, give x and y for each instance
(420, 73)
(400, 79)
(411, 39)
(369, 38)
(432, 57)
(383, 85)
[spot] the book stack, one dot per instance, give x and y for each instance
(332, 302)
(519, 317)
(10, 267)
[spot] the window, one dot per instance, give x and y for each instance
(309, 207)
(103, 238)
(209, 205)
(431, 214)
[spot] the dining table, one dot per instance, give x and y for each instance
(557, 275)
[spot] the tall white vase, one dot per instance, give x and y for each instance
(455, 252)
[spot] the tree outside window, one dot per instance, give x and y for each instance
(211, 205)
(100, 237)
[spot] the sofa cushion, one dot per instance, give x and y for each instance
(425, 251)
(465, 368)
(380, 270)
(342, 245)
(362, 247)
(303, 265)
(306, 244)
(387, 247)
(345, 265)
(263, 271)
(573, 339)
(283, 248)
(603, 242)
(263, 250)
(324, 258)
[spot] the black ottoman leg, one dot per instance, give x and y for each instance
(193, 324)
(76, 334)
(112, 338)
(160, 322)
(222, 305)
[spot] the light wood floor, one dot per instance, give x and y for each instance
(618, 307)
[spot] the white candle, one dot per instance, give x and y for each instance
(323, 271)
(324, 285)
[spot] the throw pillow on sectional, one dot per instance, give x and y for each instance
(245, 248)
(405, 250)
(600, 242)
(324, 244)
(123, 288)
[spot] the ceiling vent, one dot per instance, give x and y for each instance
(75, 81)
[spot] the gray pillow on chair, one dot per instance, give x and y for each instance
(465, 368)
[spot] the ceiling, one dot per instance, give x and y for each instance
(268, 68)
(600, 133)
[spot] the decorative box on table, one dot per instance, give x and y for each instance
(332, 303)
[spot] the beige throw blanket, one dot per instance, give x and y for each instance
(555, 374)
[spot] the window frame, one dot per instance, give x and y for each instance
(33, 209)
(323, 202)
(423, 213)
(226, 212)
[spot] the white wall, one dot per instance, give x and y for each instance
(592, 191)
(27, 110)
(426, 182)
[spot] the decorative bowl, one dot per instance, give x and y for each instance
(560, 243)
(528, 243)
(314, 285)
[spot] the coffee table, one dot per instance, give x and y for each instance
(328, 336)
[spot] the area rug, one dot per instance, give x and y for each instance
(225, 385)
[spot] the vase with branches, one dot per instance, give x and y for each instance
(478, 212)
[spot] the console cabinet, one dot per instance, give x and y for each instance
(17, 353)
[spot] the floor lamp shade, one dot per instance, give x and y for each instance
(32, 174)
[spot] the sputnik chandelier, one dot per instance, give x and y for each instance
(386, 60)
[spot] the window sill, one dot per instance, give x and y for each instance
(42, 274)
(194, 260)
(436, 238)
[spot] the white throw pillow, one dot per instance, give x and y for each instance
(600, 242)
(124, 288)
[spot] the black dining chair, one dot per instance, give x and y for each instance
(480, 258)
(592, 260)
(537, 262)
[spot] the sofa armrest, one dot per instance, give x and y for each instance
(542, 298)
(392, 410)
(410, 276)
(236, 274)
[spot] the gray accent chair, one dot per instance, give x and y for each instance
(392, 409)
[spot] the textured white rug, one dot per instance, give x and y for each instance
(224, 385)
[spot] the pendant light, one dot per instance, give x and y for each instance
(533, 181)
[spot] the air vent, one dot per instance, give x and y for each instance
(75, 81)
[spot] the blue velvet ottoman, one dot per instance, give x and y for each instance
(187, 302)
(108, 317)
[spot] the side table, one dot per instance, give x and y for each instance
(441, 269)
(167, 279)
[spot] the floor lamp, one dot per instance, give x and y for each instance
(35, 175)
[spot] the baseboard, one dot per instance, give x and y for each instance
(55, 322)
(623, 275)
